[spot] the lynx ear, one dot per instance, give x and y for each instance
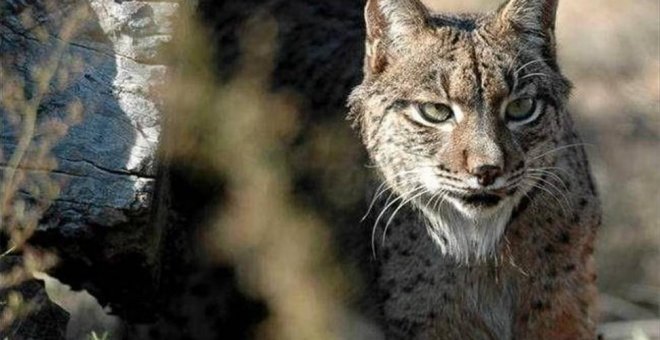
(530, 16)
(389, 24)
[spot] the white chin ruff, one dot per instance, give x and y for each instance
(466, 234)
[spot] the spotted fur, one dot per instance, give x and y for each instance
(465, 257)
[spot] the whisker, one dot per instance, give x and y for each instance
(556, 168)
(382, 212)
(401, 205)
(561, 148)
(552, 195)
(538, 74)
(513, 179)
(553, 175)
(383, 188)
(515, 60)
(441, 199)
(440, 196)
(549, 192)
(431, 199)
(516, 80)
(524, 192)
(379, 192)
(556, 190)
(511, 259)
(373, 230)
(528, 64)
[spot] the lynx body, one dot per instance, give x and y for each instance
(490, 224)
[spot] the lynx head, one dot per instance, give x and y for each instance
(456, 111)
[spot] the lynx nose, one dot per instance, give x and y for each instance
(487, 174)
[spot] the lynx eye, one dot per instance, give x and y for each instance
(520, 109)
(435, 113)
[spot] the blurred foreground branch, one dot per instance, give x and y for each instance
(282, 253)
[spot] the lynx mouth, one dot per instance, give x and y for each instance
(482, 199)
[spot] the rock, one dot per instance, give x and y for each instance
(105, 163)
(33, 315)
(86, 71)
